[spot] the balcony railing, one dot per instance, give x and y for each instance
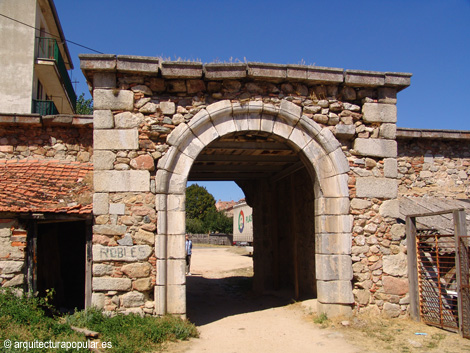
(44, 107)
(48, 49)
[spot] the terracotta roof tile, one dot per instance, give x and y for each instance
(45, 186)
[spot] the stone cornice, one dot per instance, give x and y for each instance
(410, 133)
(91, 63)
(36, 120)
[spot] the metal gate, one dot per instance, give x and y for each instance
(437, 279)
(438, 270)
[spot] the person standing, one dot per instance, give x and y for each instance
(189, 251)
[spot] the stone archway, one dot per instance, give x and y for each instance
(323, 157)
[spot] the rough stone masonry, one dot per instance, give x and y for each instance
(153, 117)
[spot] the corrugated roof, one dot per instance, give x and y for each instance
(45, 186)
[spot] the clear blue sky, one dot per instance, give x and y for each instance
(428, 38)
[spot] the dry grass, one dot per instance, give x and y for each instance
(377, 334)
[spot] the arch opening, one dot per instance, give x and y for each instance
(279, 189)
(295, 179)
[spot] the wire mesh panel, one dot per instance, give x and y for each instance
(437, 279)
(464, 256)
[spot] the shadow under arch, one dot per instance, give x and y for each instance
(322, 156)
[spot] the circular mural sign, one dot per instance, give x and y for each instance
(241, 222)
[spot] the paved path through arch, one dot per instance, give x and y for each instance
(232, 320)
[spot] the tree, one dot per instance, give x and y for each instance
(199, 202)
(194, 226)
(84, 106)
(218, 222)
(201, 213)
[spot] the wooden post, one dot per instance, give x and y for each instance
(272, 221)
(293, 209)
(32, 242)
(460, 229)
(412, 267)
(88, 262)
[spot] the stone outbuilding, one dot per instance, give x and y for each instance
(46, 194)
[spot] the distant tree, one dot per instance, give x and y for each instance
(84, 106)
(194, 226)
(199, 202)
(218, 222)
(201, 213)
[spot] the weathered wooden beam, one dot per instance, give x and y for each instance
(88, 263)
(286, 172)
(436, 213)
(230, 168)
(274, 146)
(460, 227)
(261, 158)
(412, 267)
(294, 228)
(201, 176)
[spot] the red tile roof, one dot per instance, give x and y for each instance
(45, 186)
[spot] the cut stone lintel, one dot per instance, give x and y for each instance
(315, 74)
(101, 62)
(364, 78)
(326, 75)
(410, 133)
(401, 80)
(141, 64)
(274, 72)
(297, 72)
(232, 71)
(181, 69)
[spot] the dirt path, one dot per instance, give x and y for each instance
(231, 319)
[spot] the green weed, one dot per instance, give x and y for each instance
(320, 319)
(133, 333)
(26, 318)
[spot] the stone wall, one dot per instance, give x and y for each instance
(434, 163)
(212, 239)
(12, 254)
(430, 163)
(123, 252)
(48, 137)
(140, 101)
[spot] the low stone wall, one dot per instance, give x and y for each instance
(212, 239)
(436, 164)
(48, 137)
